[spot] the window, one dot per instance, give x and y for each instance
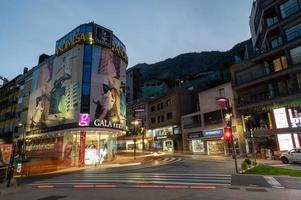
(161, 105)
(158, 119)
(20, 99)
(167, 102)
(276, 42)
(162, 118)
(293, 32)
(221, 92)
(290, 7)
(280, 63)
(271, 21)
(191, 122)
(153, 120)
(21, 87)
(153, 108)
(169, 116)
(158, 106)
(214, 117)
(296, 55)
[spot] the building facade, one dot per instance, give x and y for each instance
(138, 128)
(203, 131)
(268, 86)
(165, 113)
(74, 101)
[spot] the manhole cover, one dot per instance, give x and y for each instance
(56, 197)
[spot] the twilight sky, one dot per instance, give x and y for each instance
(152, 30)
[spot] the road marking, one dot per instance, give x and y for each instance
(88, 186)
(105, 186)
(203, 187)
(273, 182)
(45, 186)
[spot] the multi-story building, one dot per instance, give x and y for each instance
(203, 131)
(8, 106)
(267, 86)
(138, 127)
(72, 105)
(133, 82)
(165, 113)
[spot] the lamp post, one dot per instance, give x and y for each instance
(135, 122)
(23, 145)
(224, 102)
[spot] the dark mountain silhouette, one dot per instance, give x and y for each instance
(188, 64)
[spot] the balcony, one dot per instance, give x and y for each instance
(266, 95)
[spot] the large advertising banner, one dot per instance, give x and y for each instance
(108, 86)
(5, 153)
(56, 90)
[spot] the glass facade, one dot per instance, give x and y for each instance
(293, 32)
(86, 85)
(296, 55)
(290, 7)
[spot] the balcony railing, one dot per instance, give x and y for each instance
(265, 95)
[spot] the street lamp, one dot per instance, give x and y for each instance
(135, 123)
(23, 144)
(224, 102)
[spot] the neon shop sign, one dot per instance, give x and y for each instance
(85, 120)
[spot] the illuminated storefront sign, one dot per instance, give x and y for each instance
(119, 49)
(76, 39)
(85, 120)
(108, 124)
(103, 36)
(285, 142)
(140, 108)
(194, 135)
(295, 117)
(280, 118)
(213, 133)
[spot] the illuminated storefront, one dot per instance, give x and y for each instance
(196, 145)
(77, 102)
(166, 138)
(275, 130)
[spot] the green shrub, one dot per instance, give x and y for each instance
(244, 165)
(248, 161)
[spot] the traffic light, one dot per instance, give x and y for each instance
(227, 133)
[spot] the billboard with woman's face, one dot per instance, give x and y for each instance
(56, 90)
(107, 86)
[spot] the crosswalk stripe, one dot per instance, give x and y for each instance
(136, 179)
(143, 177)
(136, 182)
(140, 178)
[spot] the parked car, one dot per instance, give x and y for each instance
(292, 156)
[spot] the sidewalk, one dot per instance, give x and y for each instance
(121, 160)
(226, 158)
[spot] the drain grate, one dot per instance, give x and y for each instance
(53, 197)
(256, 190)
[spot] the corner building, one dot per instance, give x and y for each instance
(77, 104)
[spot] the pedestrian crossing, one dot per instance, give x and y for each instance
(137, 179)
(167, 160)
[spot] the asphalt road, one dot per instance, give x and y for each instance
(169, 177)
